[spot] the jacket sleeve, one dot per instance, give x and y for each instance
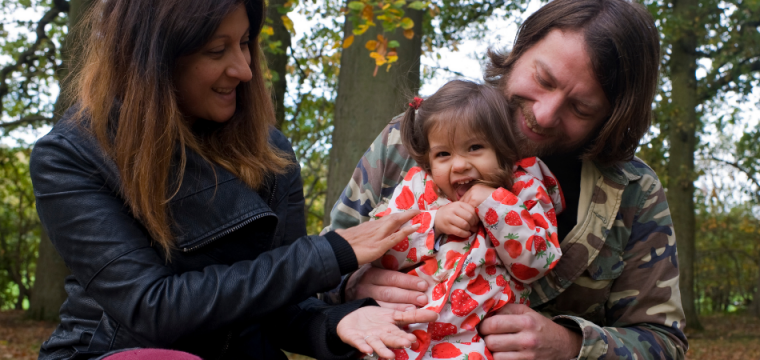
(524, 237)
(110, 255)
(411, 194)
(644, 310)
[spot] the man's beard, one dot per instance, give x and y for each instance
(557, 141)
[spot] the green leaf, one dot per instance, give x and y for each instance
(393, 44)
(417, 5)
(356, 5)
(407, 23)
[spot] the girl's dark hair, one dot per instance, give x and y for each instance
(128, 64)
(459, 104)
(624, 47)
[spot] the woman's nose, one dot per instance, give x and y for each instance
(547, 109)
(240, 67)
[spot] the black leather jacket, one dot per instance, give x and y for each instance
(238, 286)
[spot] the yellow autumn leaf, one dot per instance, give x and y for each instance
(348, 41)
(379, 59)
(409, 34)
(386, 6)
(371, 45)
(267, 30)
(287, 22)
(392, 58)
(361, 29)
(407, 23)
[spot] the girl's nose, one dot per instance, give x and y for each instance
(460, 164)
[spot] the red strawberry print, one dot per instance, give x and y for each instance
(529, 204)
(412, 256)
(445, 351)
(430, 266)
(470, 322)
(431, 192)
(501, 303)
(540, 244)
(553, 238)
(510, 295)
(543, 196)
(493, 239)
(475, 244)
(451, 258)
(473, 356)
(470, 270)
(518, 187)
(411, 172)
(430, 241)
(389, 262)
(488, 304)
(529, 183)
(552, 216)
(438, 291)
(523, 272)
(421, 203)
(513, 247)
(509, 198)
(553, 264)
(499, 194)
(461, 303)
(518, 285)
(476, 338)
(550, 183)
(405, 200)
(540, 221)
(383, 213)
(491, 217)
(491, 270)
(424, 219)
(529, 244)
(490, 258)
(527, 162)
(400, 354)
(478, 285)
(439, 330)
(402, 245)
(423, 339)
(527, 218)
(513, 219)
(501, 281)
(488, 354)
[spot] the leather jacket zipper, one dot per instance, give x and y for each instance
(228, 231)
(238, 226)
(226, 345)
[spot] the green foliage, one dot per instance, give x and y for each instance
(19, 228)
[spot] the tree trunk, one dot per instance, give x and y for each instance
(366, 103)
(682, 136)
(277, 61)
(47, 293)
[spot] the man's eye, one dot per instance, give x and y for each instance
(580, 112)
(541, 81)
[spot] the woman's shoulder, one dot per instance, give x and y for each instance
(279, 140)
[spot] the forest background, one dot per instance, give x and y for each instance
(340, 70)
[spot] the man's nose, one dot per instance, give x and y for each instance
(547, 110)
(240, 66)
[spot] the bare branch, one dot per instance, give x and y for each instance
(740, 168)
(26, 120)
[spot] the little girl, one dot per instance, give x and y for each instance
(476, 249)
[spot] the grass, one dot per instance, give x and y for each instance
(729, 337)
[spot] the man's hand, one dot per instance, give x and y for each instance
(477, 194)
(457, 218)
(518, 332)
(391, 289)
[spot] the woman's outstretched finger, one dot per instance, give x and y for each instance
(414, 316)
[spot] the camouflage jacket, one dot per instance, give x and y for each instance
(617, 281)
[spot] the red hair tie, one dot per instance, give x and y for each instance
(415, 104)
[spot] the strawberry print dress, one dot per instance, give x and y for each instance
(469, 278)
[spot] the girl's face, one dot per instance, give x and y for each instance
(455, 165)
(207, 79)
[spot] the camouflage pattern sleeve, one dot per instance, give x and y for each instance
(644, 315)
(380, 169)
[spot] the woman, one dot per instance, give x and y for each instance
(179, 209)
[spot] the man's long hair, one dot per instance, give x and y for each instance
(624, 47)
(128, 100)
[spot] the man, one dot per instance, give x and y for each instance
(581, 78)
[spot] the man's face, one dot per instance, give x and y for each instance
(557, 102)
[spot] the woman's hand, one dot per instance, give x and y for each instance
(374, 329)
(477, 194)
(457, 218)
(372, 239)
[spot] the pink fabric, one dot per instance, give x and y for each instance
(150, 354)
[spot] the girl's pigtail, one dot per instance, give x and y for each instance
(413, 134)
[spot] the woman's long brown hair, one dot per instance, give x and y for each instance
(125, 89)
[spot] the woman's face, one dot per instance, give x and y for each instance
(207, 79)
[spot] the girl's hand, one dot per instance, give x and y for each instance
(457, 218)
(477, 194)
(372, 239)
(374, 329)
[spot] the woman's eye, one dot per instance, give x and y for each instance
(245, 43)
(216, 51)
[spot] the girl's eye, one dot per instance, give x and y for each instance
(476, 147)
(441, 154)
